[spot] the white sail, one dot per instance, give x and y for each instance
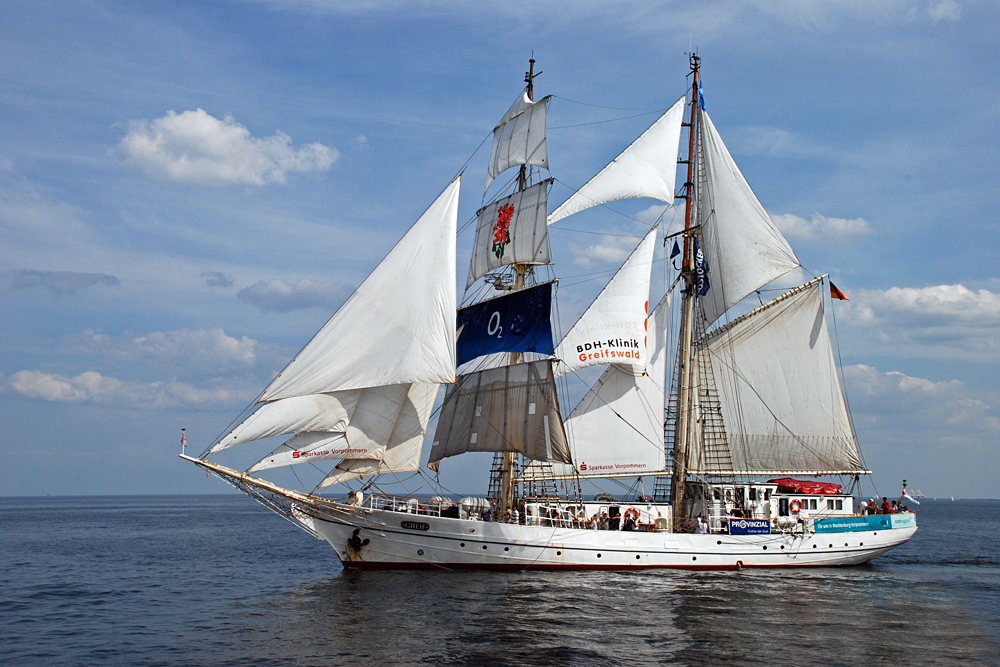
(779, 393)
(398, 326)
(519, 137)
(743, 248)
(402, 451)
(306, 448)
(613, 328)
(511, 230)
(647, 168)
(618, 426)
(317, 412)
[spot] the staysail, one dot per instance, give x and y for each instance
(741, 244)
(613, 328)
(779, 392)
(398, 326)
(507, 409)
(350, 393)
(647, 168)
(519, 137)
(618, 426)
(511, 230)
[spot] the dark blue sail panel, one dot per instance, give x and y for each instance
(517, 322)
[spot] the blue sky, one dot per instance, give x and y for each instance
(188, 191)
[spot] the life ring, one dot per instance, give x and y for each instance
(795, 506)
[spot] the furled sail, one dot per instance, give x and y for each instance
(507, 409)
(519, 137)
(647, 168)
(741, 244)
(512, 230)
(613, 328)
(398, 326)
(515, 322)
(779, 393)
(618, 426)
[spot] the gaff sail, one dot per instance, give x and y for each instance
(779, 392)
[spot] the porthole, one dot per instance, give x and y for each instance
(559, 553)
(462, 544)
(598, 555)
(782, 546)
(506, 548)
(765, 547)
(814, 546)
(718, 541)
(694, 558)
(862, 544)
(484, 547)
(831, 546)
(637, 556)
(845, 544)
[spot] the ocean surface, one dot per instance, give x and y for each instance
(218, 580)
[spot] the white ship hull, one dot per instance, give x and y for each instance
(398, 540)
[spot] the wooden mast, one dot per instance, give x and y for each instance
(508, 472)
(687, 314)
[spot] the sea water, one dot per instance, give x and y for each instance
(218, 580)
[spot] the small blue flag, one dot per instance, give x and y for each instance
(701, 270)
(676, 251)
(701, 99)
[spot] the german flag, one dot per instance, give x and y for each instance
(836, 293)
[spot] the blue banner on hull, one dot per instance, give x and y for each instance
(749, 526)
(853, 524)
(517, 322)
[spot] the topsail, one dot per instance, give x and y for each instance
(519, 137)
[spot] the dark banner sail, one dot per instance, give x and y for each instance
(517, 322)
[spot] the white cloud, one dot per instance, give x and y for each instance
(947, 321)
(92, 387)
(61, 282)
(821, 228)
(210, 348)
(196, 147)
(278, 296)
(924, 405)
(609, 250)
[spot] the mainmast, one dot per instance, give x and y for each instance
(508, 472)
(687, 312)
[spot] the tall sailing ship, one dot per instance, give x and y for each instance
(718, 411)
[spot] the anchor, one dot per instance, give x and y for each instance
(355, 542)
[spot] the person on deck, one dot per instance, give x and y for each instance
(702, 525)
(605, 523)
(629, 521)
(886, 507)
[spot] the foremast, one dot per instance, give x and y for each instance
(508, 472)
(688, 274)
